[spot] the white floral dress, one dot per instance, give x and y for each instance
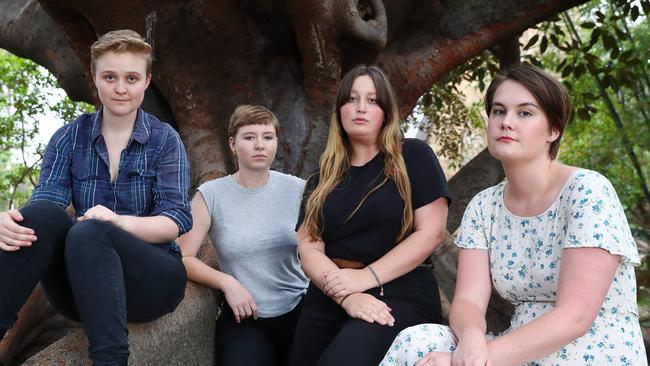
(525, 258)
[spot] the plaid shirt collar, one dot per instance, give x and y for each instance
(140, 132)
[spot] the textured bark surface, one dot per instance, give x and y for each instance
(289, 55)
(213, 55)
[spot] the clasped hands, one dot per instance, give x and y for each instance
(346, 286)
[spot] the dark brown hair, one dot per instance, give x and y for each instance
(552, 96)
(335, 161)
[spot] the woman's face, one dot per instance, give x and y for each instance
(517, 126)
(254, 146)
(121, 79)
(361, 116)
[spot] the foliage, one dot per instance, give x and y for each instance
(601, 52)
(28, 92)
(445, 114)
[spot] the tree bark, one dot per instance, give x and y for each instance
(211, 56)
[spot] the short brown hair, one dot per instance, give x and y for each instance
(245, 115)
(120, 41)
(549, 92)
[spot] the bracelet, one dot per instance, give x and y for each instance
(343, 299)
(374, 274)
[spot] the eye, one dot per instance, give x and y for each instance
(498, 112)
(109, 77)
(525, 114)
(249, 138)
(372, 101)
(132, 79)
(269, 137)
(352, 99)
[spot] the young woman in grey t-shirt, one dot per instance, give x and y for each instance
(250, 218)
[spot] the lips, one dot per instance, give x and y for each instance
(505, 139)
(360, 120)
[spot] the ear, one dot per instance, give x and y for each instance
(94, 75)
(148, 80)
(554, 135)
(231, 143)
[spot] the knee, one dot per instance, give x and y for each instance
(44, 214)
(86, 235)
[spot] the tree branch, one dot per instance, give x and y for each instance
(415, 66)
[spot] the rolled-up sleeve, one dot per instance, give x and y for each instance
(171, 187)
(55, 181)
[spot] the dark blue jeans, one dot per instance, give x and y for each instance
(93, 272)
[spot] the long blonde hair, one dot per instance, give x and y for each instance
(335, 161)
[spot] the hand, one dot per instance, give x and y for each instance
(240, 300)
(342, 282)
(435, 359)
(102, 213)
(471, 352)
(12, 235)
(369, 308)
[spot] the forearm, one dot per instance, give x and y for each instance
(152, 229)
(466, 320)
(543, 336)
(316, 264)
(407, 255)
(199, 272)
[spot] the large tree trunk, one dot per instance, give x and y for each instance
(289, 55)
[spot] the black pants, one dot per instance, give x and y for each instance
(92, 272)
(327, 336)
(265, 341)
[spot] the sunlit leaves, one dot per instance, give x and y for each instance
(27, 93)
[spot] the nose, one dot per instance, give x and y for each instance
(506, 121)
(361, 106)
(259, 143)
(119, 87)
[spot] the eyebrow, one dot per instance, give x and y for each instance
(356, 92)
(526, 104)
(115, 72)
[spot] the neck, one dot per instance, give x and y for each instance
(527, 181)
(118, 125)
(361, 153)
(251, 178)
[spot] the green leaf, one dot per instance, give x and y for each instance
(588, 25)
(583, 114)
(531, 42)
(579, 70)
(554, 40)
(567, 70)
(543, 44)
(594, 37)
(608, 41)
(634, 13)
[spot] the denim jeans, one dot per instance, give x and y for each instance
(93, 272)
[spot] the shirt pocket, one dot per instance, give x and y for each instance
(141, 187)
(84, 184)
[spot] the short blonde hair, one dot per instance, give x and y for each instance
(120, 41)
(245, 115)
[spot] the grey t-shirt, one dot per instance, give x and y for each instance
(253, 234)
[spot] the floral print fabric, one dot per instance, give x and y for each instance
(525, 259)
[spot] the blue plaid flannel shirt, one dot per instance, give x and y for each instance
(153, 176)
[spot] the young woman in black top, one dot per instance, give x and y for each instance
(374, 212)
